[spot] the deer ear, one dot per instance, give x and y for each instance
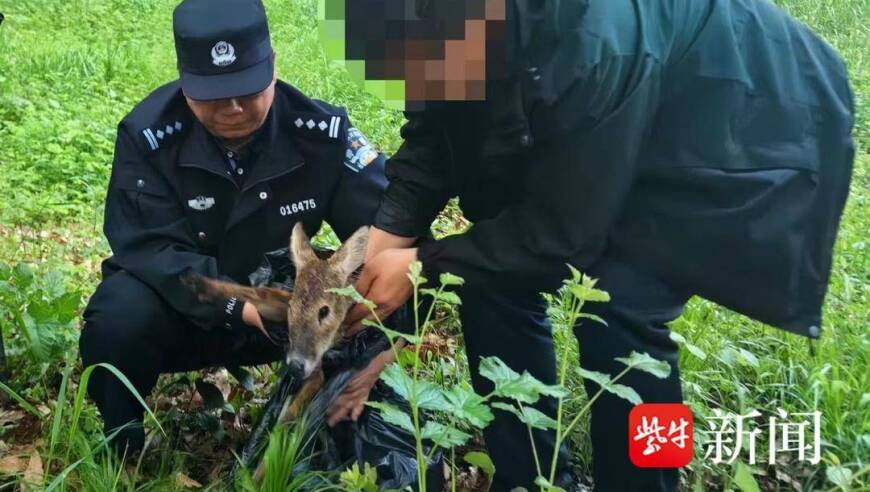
(300, 247)
(352, 252)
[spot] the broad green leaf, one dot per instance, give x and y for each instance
(393, 415)
(365, 481)
(423, 393)
(351, 292)
(576, 276)
(528, 416)
(396, 378)
(748, 358)
(429, 292)
(429, 395)
(466, 404)
(67, 306)
(590, 295)
(728, 356)
(510, 384)
(597, 319)
(407, 357)
(482, 461)
(392, 334)
(546, 486)
(527, 389)
(61, 309)
(53, 284)
(644, 362)
(608, 385)
(598, 377)
(537, 419)
(495, 370)
(693, 349)
(443, 436)
(624, 392)
(839, 475)
(35, 333)
(415, 274)
(743, 478)
(450, 298)
(23, 275)
(506, 407)
(450, 279)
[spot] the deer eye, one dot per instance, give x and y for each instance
(324, 312)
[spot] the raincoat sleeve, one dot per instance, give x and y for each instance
(418, 186)
(151, 239)
(577, 182)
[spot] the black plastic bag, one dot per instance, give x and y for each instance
(388, 448)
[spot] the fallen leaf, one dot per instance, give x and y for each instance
(182, 480)
(33, 474)
(10, 416)
(12, 465)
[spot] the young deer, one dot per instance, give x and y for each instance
(313, 317)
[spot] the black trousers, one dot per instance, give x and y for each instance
(128, 325)
(514, 327)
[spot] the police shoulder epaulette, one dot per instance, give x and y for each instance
(317, 125)
(158, 120)
(161, 133)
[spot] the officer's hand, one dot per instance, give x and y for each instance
(351, 402)
(384, 281)
(251, 317)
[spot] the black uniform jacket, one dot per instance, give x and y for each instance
(707, 142)
(174, 205)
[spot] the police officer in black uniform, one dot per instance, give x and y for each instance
(210, 172)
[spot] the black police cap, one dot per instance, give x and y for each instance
(223, 48)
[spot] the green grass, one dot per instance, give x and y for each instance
(71, 69)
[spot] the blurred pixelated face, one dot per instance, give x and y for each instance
(442, 50)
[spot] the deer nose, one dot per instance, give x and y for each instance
(296, 367)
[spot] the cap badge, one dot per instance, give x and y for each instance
(223, 54)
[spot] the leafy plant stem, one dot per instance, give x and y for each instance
(574, 315)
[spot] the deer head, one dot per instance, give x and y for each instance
(313, 316)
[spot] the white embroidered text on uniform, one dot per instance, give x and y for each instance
(201, 203)
(296, 207)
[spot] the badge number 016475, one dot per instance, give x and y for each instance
(296, 207)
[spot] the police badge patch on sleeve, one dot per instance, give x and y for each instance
(359, 153)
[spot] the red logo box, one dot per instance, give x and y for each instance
(660, 435)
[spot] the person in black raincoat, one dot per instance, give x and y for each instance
(669, 148)
(210, 172)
